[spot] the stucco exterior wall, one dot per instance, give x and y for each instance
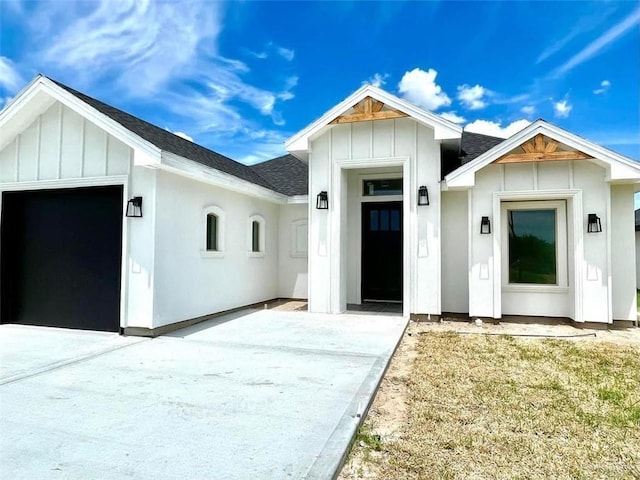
(293, 251)
(582, 185)
(637, 260)
(455, 252)
(623, 253)
(188, 283)
(399, 143)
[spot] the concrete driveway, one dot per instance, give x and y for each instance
(251, 395)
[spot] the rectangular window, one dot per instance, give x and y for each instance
(389, 186)
(255, 236)
(532, 246)
(212, 232)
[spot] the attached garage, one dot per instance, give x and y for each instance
(61, 257)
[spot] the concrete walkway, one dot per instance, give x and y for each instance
(255, 394)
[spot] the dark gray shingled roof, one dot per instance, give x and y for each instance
(475, 144)
(287, 173)
(472, 146)
(172, 143)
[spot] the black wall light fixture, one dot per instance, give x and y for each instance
(423, 196)
(485, 226)
(322, 202)
(593, 223)
(134, 207)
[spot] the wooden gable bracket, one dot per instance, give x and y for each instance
(368, 109)
(542, 149)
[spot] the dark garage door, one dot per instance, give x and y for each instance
(60, 258)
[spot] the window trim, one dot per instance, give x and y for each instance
(261, 239)
(221, 232)
(562, 252)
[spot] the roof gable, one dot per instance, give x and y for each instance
(562, 145)
(355, 105)
(150, 141)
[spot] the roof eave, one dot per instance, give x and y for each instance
(620, 168)
(443, 129)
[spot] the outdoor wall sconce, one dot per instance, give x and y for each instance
(134, 207)
(593, 223)
(423, 196)
(322, 202)
(485, 226)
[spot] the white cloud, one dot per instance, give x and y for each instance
(562, 109)
(474, 98)
(377, 80)
(420, 88)
(286, 53)
(528, 109)
(495, 129)
(604, 86)
(10, 78)
(128, 40)
(601, 42)
(183, 135)
(452, 117)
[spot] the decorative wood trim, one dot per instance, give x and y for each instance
(542, 157)
(541, 149)
(366, 110)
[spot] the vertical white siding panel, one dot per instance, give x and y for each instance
(28, 155)
(340, 141)
(95, 149)
(518, 176)
(71, 145)
(8, 164)
(49, 144)
(404, 137)
(118, 161)
(382, 138)
(361, 140)
(60, 126)
(553, 175)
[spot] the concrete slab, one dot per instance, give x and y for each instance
(256, 394)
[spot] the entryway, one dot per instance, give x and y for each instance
(382, 251)
(61, 257)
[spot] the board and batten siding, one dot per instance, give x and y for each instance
(330, 232)
(61, 145)
(61, 149)
(594, 289)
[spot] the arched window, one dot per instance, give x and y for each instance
(256, 236)
(213, 232)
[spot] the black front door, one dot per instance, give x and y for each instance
(60, 258)
(382, 251)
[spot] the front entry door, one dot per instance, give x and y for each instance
(382, 251)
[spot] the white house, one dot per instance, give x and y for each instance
(111, 223)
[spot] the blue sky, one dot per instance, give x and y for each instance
(240, 78)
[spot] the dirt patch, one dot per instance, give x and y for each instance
(495, 402)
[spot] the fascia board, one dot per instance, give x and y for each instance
(298, 199)
(101, 120)
(443, 129)
(196, 171)
(43, 85)
(538, 127)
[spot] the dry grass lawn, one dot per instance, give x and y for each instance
(499, 407)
